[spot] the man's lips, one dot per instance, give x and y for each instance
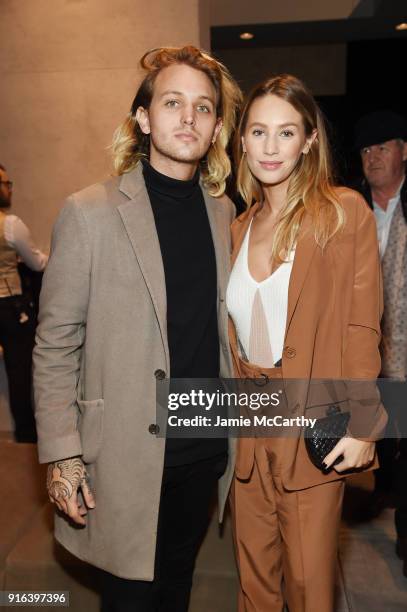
(268, 165)
(186, 136)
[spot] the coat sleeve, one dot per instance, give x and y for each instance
(361, 358)
(60, 336)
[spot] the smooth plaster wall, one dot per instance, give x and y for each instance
(68, 74)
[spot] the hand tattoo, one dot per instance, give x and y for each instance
(64, 477)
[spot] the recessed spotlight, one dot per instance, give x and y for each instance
(246, 35)
(401, 26)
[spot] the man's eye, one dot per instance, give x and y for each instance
(203, 108)
(171, 103)
(365, 151)
(287, 133)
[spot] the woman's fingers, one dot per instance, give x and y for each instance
(356, 454)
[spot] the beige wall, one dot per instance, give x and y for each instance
(235, 12)
(68, 73)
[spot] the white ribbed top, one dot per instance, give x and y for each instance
(259, 310)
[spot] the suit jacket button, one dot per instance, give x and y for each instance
(159, 374)
(289, 352)
(154, 429)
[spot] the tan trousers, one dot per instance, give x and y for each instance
(285, 541)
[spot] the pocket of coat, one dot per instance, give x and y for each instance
(90, 427)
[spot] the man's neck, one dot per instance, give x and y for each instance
(182, 171)
(382, 195)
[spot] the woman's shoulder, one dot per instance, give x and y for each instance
(242, 221)
(355, 207)
(352, 200)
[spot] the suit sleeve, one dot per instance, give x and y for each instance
(361, 359)
(60, 336)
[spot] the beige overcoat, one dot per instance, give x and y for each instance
(101, 343)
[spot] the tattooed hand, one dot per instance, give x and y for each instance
(64, 478)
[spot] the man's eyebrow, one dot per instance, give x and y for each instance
(179, 93)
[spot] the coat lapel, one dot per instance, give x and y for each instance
(219, 242)
(138, 220)
(304, 253)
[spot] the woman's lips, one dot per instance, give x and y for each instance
(270, 165)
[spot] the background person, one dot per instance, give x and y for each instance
(304, 292)
(381, 139)
(17, 315)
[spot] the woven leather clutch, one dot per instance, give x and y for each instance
(323, 437)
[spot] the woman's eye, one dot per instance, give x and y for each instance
(203, 109)
(287, 133)
(171, 103)
(257, 132)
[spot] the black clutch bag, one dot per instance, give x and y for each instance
(323, 437)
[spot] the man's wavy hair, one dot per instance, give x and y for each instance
(130, 144)
(311, 186)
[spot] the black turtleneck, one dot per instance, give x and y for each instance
(189, 263)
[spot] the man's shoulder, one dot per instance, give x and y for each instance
(99, 195)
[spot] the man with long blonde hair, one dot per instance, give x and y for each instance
(134, 292)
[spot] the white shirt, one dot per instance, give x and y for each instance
(17, 236)
(383, 220)
(259, 309)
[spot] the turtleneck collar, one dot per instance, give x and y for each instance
(167, 185)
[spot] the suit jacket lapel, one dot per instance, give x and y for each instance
(304, 252)
(305, 249)
(138, 220)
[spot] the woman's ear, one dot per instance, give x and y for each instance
(243, 145)
(309, 141)
(143, 120)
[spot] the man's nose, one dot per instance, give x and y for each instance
(188, 117)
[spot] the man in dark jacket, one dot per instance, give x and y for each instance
(381, 139)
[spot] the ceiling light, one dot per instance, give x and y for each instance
(249, 35)
(401, 26)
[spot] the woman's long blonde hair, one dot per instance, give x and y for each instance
(311, 185)
(130, 144)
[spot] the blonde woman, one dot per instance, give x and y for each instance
(304, 303)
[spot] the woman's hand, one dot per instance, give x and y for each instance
(356, 454)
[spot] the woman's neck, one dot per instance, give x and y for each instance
(275, 198)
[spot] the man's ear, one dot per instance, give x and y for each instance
(218, 127)
(309, 141)
(143, 120)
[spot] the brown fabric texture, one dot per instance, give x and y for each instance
(333, 330)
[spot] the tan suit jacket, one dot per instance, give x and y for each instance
(332, 331)
(101, 343)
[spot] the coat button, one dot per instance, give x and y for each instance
(159, 374)
(154, 429)
(289, 352)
